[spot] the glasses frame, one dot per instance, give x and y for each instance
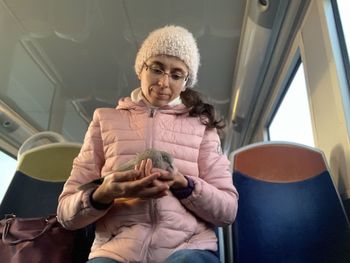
(162, 73)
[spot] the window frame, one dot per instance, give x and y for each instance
(342, 42)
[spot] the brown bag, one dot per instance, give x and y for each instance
(36, 240)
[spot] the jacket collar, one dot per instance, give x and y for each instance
(137, 102)
(137, 95)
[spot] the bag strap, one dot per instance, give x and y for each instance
(50, 222)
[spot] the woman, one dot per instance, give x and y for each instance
(147, 214)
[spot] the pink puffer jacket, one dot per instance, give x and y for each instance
(135, 230)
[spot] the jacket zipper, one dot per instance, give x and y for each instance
(153, 218)
(152, 202)
(153, 214)
(149, 133)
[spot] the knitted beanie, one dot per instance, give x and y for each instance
(173, 41)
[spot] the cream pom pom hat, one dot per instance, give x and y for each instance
(172, 41)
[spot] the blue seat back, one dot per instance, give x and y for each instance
(289, 209)
(30, 197)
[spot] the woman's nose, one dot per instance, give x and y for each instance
(164, 80)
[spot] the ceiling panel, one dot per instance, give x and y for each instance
(87, 49)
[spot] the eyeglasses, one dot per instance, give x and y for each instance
(175, 77)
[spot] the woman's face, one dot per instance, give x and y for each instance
(162, 79)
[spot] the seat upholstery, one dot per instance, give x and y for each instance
(39, 178)
(289, 209)
(30, 197)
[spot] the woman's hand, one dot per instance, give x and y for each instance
(174, 179)
(137, 183)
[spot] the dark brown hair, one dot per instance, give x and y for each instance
(198, 108)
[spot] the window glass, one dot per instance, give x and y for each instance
(292, 120)
(8, 168)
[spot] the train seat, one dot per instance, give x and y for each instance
(44, 163)
(289, 209)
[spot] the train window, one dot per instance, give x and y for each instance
(8, 168)
(292, 119)
(342, 21)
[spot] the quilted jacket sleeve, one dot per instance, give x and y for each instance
(74, 208)
(214, 198)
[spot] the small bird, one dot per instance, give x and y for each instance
(160, 159)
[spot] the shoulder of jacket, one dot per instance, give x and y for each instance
(102, 113)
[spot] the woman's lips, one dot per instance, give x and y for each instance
(163, 95)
